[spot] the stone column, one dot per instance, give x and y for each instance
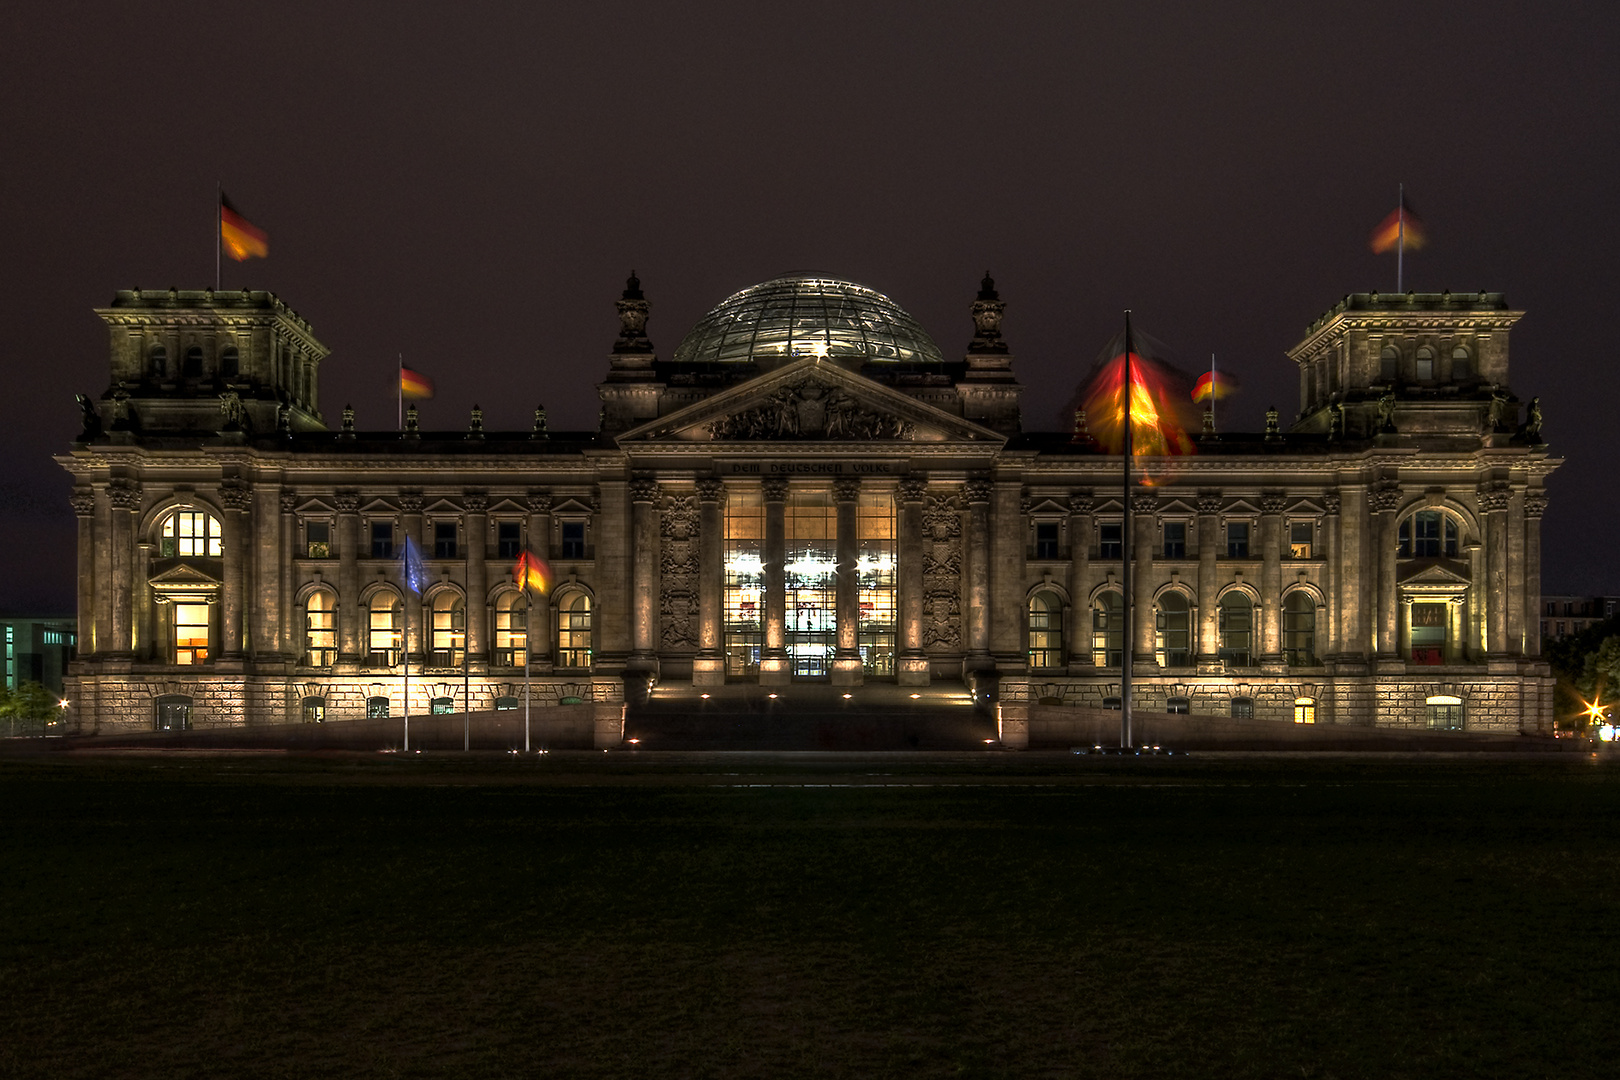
(1271, 508)
(83, 501)
(774, 669)
(1384, 501)
(1515, 612)
(125, 496)
(913, 667)
(416, 622)
(1535, 504)
(102, 572)
(644, 612)
(143, 645)
(1354, 573)
(537, 618)
(236, 498)
(846, 670)
(476, 504)
(1145, 524)
(1494, 502)
(283, 580)
(1078, 632)
(709, 666)
(349, 616)
(1209, 550)
(977, 494)
(1328, 633)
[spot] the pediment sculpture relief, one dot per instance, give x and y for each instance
(811, 410)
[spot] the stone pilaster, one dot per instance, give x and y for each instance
(1515, 575)
(349, 616)
(1271, 509)
(537, 615)
(278, 567)
(709, 665)
(846, 669)
(1356, 570)
(1078, 632)
(83, 501)
(237, 499)
(1535, 505)
(643, 574)
(1145, 527)
(1328, 642)
(1209, 546)
(125, 497)
(1493, 501)
(977, 495)
(913, 668)
(774, 669)
(102, 572)
(476, 504)
(1009, 547)
(1384, 501)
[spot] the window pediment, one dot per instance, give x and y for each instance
(185, 582)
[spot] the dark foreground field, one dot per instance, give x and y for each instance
(615, 915)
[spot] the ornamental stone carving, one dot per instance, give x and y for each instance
(83, 501)
(1494, 498)
(235, 495)
(680, 548)
(643, 490)
(811, 409)
(846, 489)
(475, 502)
(976, 491)
(1273, 504)
(942, 573)
(1142, 503)
(1385, 499)
(124, 494)
(347, 502)
(633, 312)
(775, 489)
(1535, 504)
(1330, 503)
(1210, 504)
(1081, 503)
(912, 489)
(710, 489)
(987, 312)
(410, 502)
(539, 502)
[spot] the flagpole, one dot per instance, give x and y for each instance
(405, 650)
(399, 391)
(1129, 553)
(528, 608)
(1213, 381)
(219, 226)
(1400, 239)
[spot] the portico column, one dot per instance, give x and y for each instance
(289, 640)
(913, 668)
(643, 573)
(126, 502)
(1494, 502)
(537, 612)
(1145, 509)
(977, 494)
(1209, 530)
(349, 615)
(476, 504)
(83, 501)
(1271, 508)
(773, 664)
(709, 666)
(1384, 502)
(1079, 628)
(1535, 504)
(410, 507)
(1331, 577)
(846, 669)
(235, 497)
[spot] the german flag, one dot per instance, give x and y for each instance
(242, 238)
(531, 572)
(1388, 233)
(413, 384)
(1214, 384)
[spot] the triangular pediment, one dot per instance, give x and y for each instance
(810, 401)
(185, 583)
(1439, 573)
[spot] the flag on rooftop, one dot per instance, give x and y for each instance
(531, 571)
(1214, 384)
(1401, 220)
(416, 577)
(413, 384)
(242, 238)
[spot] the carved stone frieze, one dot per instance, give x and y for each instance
(124, 494)
(539, 502)
(811, 409)
(774, 488)
(83, 501)
(679, 558)
(1494, 498)
(347, 502)
(942, 573)
(475, 502)
(1210, 504)
(1081, 503)
(1273, 504)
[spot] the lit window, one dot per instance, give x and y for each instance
(1045, 630)
(317, 540)
(385, 618)
(1109, 542)
(1236, 627)
(439, 706)
(511, 631)
(1173, 630)
(1108, 630)
(1304, 710)
(1046, 539)
(1175, 539)
(1445, 712)
(190, 633)
(314, 710)
(1429, 633)
(449, 641)
(1299, 629)
(377, 708)
(1300, 535)
(1237, 539)
(190, 533)
(173, 713)
(506, 704)
(574, 631)
(320, 634)
(444, 539)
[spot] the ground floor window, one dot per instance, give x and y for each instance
(1299, 629)
(314, 711)
(505, 704)
(173, 713)
(1111, 703)
(377, 708)
(1243, 708)
(441, 705)
(574, 631)
(1179, 705)
(1445, 712)
(1304, 710)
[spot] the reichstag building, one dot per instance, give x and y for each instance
(807, 488)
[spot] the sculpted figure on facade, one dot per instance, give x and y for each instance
(811, 409)
(679, 572)
(942, 572)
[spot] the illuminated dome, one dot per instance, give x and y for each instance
(801, 315)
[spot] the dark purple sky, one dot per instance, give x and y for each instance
(469, 183)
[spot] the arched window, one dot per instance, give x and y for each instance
(1423, 365)
(320, 629)
(173, 713)
(511, 631)
(377, 708)
(384, 624)
(230, 363)
(1236, 625)
(191, 623)
(448, 646)
(1108, 629)
(314, 710)
(1045, 630)
(1389, 364)
(440, 706)
(1462, 364)
(1173, 630)
(193, 369)
(574, 631)
(1428, 534)
(1445, 712)
(189, 533)
(1304, 710)
(157, 362)
(1299, 629)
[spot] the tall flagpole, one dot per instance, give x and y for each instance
(399, 391)
(1213, 388)
(219, 226)
(1400, 240)
(528, 608)
(1130, 555)
(405, 651)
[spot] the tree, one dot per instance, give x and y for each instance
(29, 708)
(1587, 665)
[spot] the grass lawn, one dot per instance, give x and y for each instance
(979, 916)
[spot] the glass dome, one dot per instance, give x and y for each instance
(802, 315)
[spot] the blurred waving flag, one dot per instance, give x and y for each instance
(416, 577)
(531, 572)
(1159, 410)
(1400, 222)
(1214, 385)
(242, 238)
(413, 384)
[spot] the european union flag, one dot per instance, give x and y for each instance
(416, 578)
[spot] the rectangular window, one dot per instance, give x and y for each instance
(509, 539)
(382, 539)
(1046, 539)
(1179, 706)
(190, 633)
(573, 539)
(444, 539)
(1445, 712)
(1175, 539)
(1429, 633)
(877, 625)
(743, 604)
(1560, 628)
(317, 540)
(1304, 710)
(1300, 535)
(1109, 542)
(1243, 708)
(1237, 539)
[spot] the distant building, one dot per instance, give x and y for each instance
(808, 489)
(38, 649)
(1562, 615)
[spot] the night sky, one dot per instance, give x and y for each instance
(469, 184)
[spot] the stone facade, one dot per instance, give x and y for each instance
(850, 506)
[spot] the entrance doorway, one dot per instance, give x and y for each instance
(811, 584)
